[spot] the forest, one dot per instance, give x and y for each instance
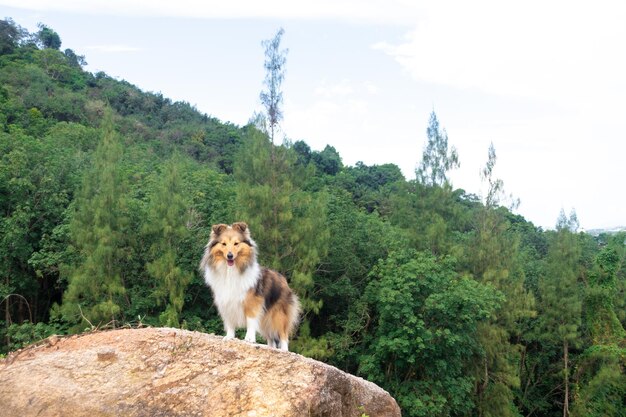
(450, 301)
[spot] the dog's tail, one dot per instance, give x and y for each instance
(294, 314)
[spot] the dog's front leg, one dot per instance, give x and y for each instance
(252, 324)
(230, 331)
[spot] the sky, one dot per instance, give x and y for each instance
(544, 81)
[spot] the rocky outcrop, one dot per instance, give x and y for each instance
(169, 372)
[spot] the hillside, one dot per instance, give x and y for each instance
(453, 304)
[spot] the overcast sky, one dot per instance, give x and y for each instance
(545, 81)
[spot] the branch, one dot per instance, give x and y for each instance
(30, 314)
(85, 318)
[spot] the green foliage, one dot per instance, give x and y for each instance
(601, 373)
(99, 232)
(602, 294)
(493, 258)
(328, 160)
(26, 333)
(168, 216)
(288, 223)
(370, 186)
(436, 159)
(559, 302)
(426, 319)
(602, 383)
(48, 38)
(11, 35)
(559, 292)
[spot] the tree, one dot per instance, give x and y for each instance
(167, 228)
(98, 231)
(559, 301)
(369, 185)
(77, 61)
(328, 160)
(38, 176)
(436, 159)
(272, 98)
(11, 35)
(303, 152)
(425, 319)
(48, 38)
(495, 186)
(288, 223)
(433, 199)
(493, 258)
(601, 368)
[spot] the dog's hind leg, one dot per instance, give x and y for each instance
(271, 342)
(284, 345)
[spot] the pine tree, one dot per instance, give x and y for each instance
(437, 160)
(272, 98)
(287, 222)
(494, 259)
(559, 295)
(98, 232)
(433, 198)
(166, 226)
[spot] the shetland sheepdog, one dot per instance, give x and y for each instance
(245, 293)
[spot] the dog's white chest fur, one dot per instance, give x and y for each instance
(229, 288)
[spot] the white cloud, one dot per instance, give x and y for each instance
(342, 89)
(344, 115)
(383, 11)
(112, 48)
(565, 52)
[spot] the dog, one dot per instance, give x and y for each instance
(245, 293)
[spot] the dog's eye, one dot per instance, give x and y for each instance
(236, 243)
(223, 243)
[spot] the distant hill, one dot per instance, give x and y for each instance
(610, 231)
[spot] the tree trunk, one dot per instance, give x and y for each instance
(7, 313)
(565, 379)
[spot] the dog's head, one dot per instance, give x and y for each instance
(231, 245)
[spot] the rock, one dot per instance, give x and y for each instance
(169, 372)
(52, 340)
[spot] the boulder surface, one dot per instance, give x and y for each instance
(169, 372)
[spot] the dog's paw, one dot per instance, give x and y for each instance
(228, 337)
(250, 338)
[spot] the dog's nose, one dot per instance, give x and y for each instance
(230, 256)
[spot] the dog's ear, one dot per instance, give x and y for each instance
(241, 227)
(217, 229)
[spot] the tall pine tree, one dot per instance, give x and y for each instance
(288, 222)
(272, 98)
(433, 201)
(98, 232)
(166, 227)
(559, 301)
(494, 259)
(437, 159)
